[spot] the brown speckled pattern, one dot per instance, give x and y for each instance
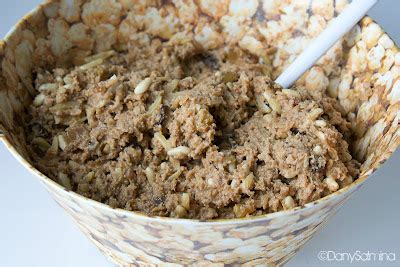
(362, 71)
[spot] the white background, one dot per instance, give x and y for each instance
(34, 231)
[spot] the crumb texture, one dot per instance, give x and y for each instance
(172, 130)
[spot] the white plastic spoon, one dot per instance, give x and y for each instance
(349, 17)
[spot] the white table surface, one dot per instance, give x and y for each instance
(34, 231)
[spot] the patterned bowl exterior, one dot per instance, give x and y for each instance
(362, 71)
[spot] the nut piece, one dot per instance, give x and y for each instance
(61, 142)
(107, 149)
(112, 81)
(238, 211)
(180, 212)
(290, 92)
(103, 55)
(185, 200)
(242, 210)
(171, 86)
(156, 105)
(331, 184)
(90, 176)
(41, 144)
(317, 150)
(39, 100)
(164, 142)
(288, 203)
(264, 108)
(143, 86)
(180, 150)
(48, 86)
(234, 184)
(229, 76)
(175, 175)
(150, 175)
(346, 181)
(315, 113)
(53, 150)
(321, 136)
(91, 64)
(64, 180)
(68, 80)
(232, 167)
(320, 123)
(273, 103)
(248, 182)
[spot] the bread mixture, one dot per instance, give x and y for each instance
(170, 130)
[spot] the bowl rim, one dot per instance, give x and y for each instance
(140, 215)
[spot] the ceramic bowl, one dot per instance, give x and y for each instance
(362, 71)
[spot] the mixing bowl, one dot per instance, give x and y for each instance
(362, 71)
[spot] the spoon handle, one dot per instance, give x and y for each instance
(319, 46)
